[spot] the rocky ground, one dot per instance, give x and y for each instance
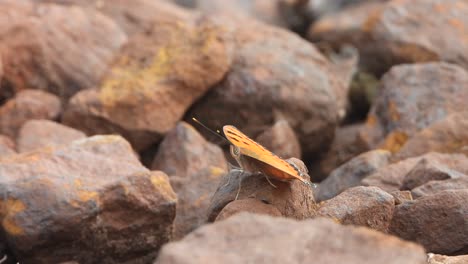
(100, 161)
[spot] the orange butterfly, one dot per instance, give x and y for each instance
(253, 157)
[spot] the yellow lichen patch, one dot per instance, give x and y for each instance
(78, 183)
(9, 209)
(85, 196)
(394, 141)
(162, 185)
(216, 172)
(393, 112)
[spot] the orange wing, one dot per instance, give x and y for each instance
(252, 149)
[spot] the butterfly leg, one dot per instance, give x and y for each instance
(239, 189)
(268, 179)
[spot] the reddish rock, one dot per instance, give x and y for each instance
(7, 146)
(250, 238)
(449, 135)
(55, 48)
(281, 140)
(366, 206)
(438, 222)
(247, 205)
(26, 105)
(275, 75)
(433, 187)
(293, 199)
(36, 134)
(401, 196)
(411, 98)
(184, 152)
(157, 76)
(351, 173)
(90, 200)
(441, 259)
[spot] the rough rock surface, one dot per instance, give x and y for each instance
(91, 200)
(26, 105)
(433, 187)
(351, 173)
(441, 259)
(7, 146)
(36, 134)
(438, 222)
(281, 140)
(247, 205)
(366, 206)
(249, 238)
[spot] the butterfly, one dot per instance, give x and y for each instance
(253, 157)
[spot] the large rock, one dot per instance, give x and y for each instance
(249, 238)
(411, 98)
(36, 134)
(26, 105)
(438, 221)
(250, 205)
(441, 259)
(281, 140)
(276, 75)
(433, 187)
(55, 48)
(156, 77)
(351, 173)
(89, 201)
(7, 146)
(366, 206)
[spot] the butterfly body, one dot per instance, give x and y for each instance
(254, 158)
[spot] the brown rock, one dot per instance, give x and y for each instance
(55, 48)
(36, 134)
(435, 167)
(441, 259)
(91, 200)
(26, 105)
(366, 206)
(249, 238)
(438, 221)
(411, 98)
(247, 205)
(275, 75)
(293, 199)
(281, 140)
(449, 135)
(7, 146)
(351, 173)
(184, 152)
(433, 187)
(401, 196)
(157, 76)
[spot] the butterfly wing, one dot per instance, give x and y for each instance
(252, 149)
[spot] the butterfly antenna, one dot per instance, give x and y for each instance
(217, 133)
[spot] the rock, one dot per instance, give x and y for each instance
(195, 168)
(401, 196)
(55, 48)
(26, 105)
(448, 135)
(281, 140)
(343, 148)
(319, 8)
(366, 206)
(7, 146)
(247, 205)
(36, 134)
(276, 75)
(438, 221)
(411, 98)
(293, 199)
(441, 259)
(320, 240)
(156, 77)
(433, 187)
(435, 167)
(184, 152)
(89, 200)
(351, 173)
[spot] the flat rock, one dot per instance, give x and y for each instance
(26, 105)
(317, 240)
(275, 75)
(433, 187)
(36, 134)
(411, 98)
(351, 173)
(438, 222)
(53, 47)
(442, 259)
(281, 140)
(293, 199)
(365, 206)
(7, 146)
(90, 200)
(247, 205)
(154, 80)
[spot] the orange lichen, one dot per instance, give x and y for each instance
(394, 141)
(216, 172)
(161, 183)
(393, 111)
(9, 209)
(371, 120)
